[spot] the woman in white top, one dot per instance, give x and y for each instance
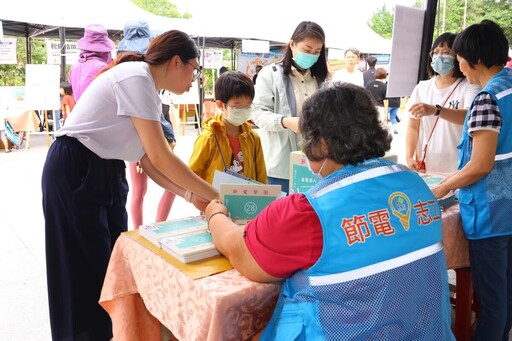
(446, 96)
(84, 184)
(281, 90)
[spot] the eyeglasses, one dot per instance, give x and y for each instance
(434, 54)
(198, 71)
(251, 107)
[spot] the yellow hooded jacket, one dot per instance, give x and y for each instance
(206, 158)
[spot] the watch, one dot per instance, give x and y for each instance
(438, 110)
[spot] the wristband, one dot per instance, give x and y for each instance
(213, 215)
(282, 118)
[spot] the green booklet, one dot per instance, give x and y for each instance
(156, 231)
(246, 201)
(190, 247)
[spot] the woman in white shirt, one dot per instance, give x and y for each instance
(446, 96)
(84, 184)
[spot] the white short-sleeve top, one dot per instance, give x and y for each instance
(101, 119)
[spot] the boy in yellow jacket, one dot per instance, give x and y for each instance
(227, 141)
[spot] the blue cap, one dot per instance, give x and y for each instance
(136, 37)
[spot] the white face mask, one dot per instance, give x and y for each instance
(238, 116)
(319, 174)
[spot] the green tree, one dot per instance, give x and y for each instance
(499, 11)
(161, 7)
(382, 22)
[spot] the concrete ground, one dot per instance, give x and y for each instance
(23, 297)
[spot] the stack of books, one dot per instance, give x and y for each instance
(186, 239)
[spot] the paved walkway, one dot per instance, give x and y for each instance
(23, 297)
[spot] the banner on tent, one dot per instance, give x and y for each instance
(8, 51)
(53, 52)
(247, 61)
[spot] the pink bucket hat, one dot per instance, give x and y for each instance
(95, 39)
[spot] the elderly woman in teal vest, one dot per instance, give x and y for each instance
(360, 253)
(484, 178)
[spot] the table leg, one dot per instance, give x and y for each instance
(463, 305)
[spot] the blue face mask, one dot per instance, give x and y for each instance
(319, 174)
(305, 60)
(443, 64)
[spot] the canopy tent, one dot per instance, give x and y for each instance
(44, 18)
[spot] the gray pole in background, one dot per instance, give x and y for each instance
(62, 36)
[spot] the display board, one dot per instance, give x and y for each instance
(405, 51)
(8, 51)
(42, 86)
(53, 52)
(247, 61)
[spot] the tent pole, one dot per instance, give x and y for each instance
(28, 47)
(62, 36)
(426, 41)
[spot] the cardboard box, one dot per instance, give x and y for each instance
(302, 179)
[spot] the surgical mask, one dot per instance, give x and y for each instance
(319, 174)
(443, 64)
(305, 60)
(238, 116)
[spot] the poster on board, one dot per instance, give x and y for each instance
(42, 86)
(405, 51)
(53, 52)
(212, 59)
(247, 61)
(8, 51)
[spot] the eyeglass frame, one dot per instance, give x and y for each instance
(252, 107)
(197, 69)
(433, 53)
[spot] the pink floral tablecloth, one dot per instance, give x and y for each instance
(142, 290)
(454, 243)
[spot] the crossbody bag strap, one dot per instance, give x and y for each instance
(437, 120)
(220, 152)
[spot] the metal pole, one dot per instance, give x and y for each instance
(426, 41)
(62, 36)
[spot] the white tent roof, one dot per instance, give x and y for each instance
(114, 13)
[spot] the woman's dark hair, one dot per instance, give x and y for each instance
(381, 73)
(305, 30)
(162, 48)
(445, 39)
(66, 86)
(484, 42)
(233, 84)
(345, 116)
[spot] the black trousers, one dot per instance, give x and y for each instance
(84, 205)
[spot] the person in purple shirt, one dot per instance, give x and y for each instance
(95, 48)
